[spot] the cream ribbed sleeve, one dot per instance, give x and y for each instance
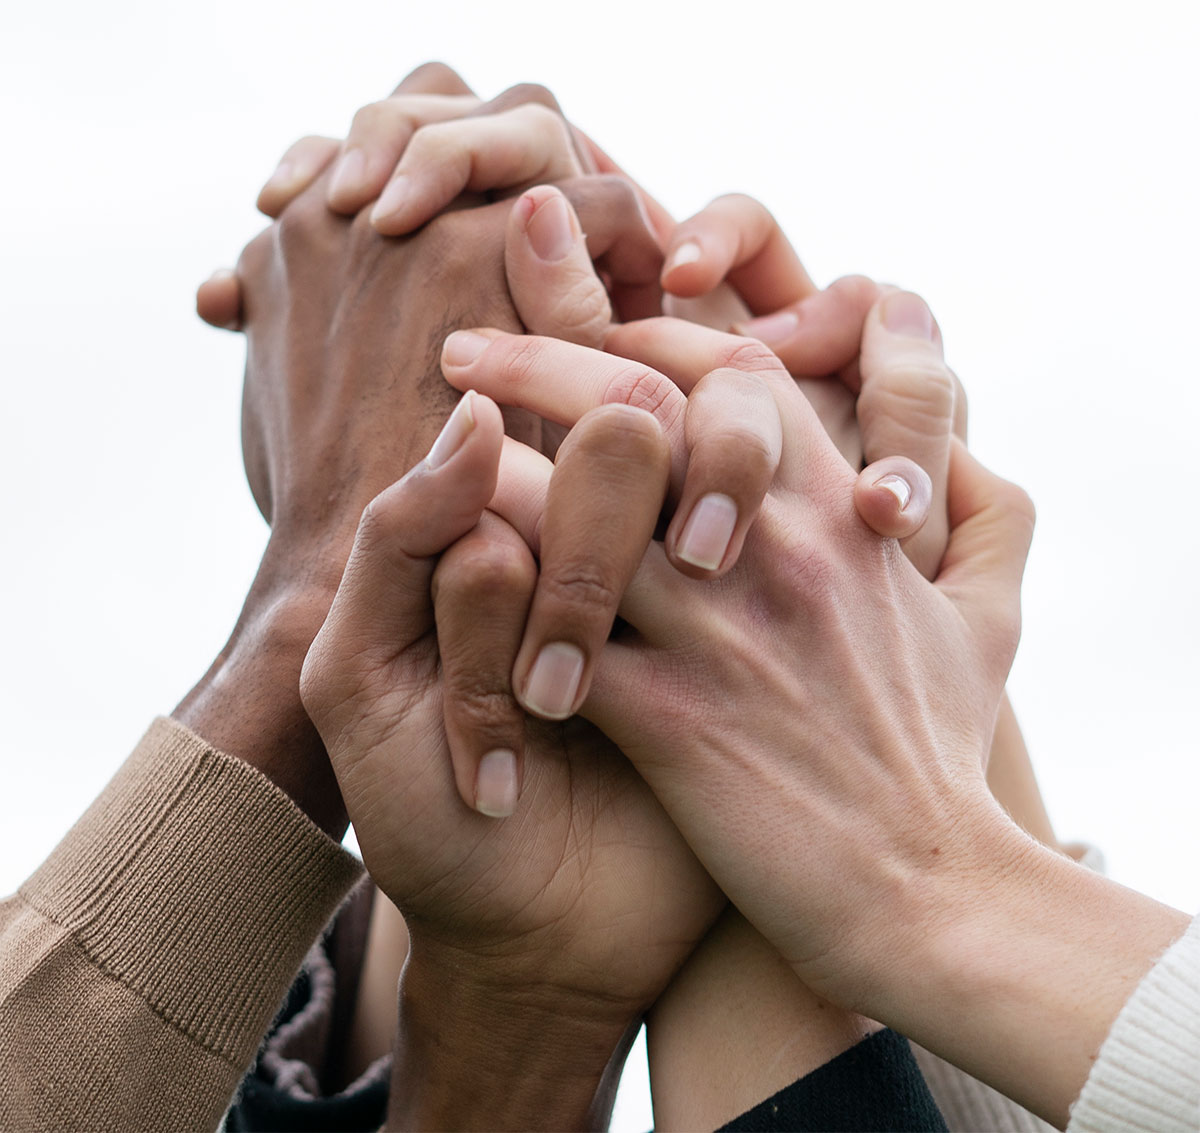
(142, 963)
(1148, 1074)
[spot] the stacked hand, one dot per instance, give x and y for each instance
(588, 899)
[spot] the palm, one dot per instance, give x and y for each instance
(589, 875)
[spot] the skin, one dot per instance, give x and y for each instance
(336, 196)
(940, 917)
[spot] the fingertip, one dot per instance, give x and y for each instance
(348, 183)
(219, 300)
(893, 497)
(706, 538)
(683, 272)
(553, 687)
(551, 227)
(497, 784)
(463, 348)
(391, 214)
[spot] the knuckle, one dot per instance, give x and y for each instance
(860, 289)
(920, 389)
(1019, 503)
(750, 356)
(368, 119)
(433, 76)
(481, 701)
(488, 570)
(644, 388)
(745, 205)
(522, 93)
(581, 312)
(301, 223)
(521, 362)
(603, 195)
(580, 586)
(255, 255)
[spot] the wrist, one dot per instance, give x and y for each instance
(1018, 965)
(478, 1050)
(248, 703)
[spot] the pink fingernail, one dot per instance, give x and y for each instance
(772, 328)
(906, 313)
(496, 784)
(349, 174)
(391, 200)
(898, 486)
(463, 347)
(284, 176)
(553, 682)
(687, 253)
(454, 432)
(706, 534)
(549, 230)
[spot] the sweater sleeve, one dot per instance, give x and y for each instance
(142, 963)
(1147, 1076)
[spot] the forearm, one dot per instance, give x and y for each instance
(248, 703)
(1012, 781)
(469, 1055)
(1017, 976)
(735, 1026)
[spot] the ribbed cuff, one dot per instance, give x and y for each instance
(1147, 1076)
(199, 884)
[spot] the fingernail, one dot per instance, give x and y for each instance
(549, 230)
(898, 486)
(687, 253)
(771, 328)
(284, 175)
(221, 274)
(349, 174)
(706, 534)
(463, 347)
(496, 784)
(392, 198)
(553, 682)
(906, 313)
(456, 430)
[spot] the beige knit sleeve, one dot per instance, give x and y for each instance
(142, 963)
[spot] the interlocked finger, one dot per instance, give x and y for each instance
(602, 506)
(481, 592)
(378, 137)
(523, 146)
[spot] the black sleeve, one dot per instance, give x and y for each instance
(875, 1085)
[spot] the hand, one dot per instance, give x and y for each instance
(306, 387)
(926, 690)
(902, 400)
(440, 141)
(828, 692)
(572, 914)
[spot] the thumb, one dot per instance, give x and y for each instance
(892, 497)
(906, 407)
(383, 604)
(219, 300)
(554, 287)
(991, 528)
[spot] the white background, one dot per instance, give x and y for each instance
(1031, 169)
